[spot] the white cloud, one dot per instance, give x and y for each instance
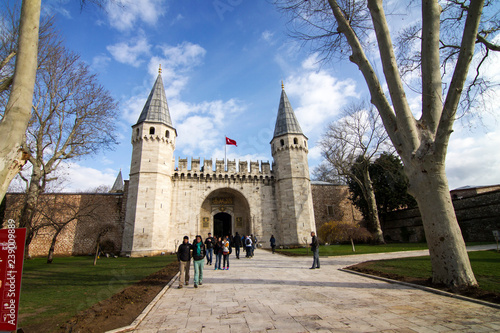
(100, 62)
(80, 178)
(268, 36)
(203, 125)
(473, 160)
(321, 96)
(129, 53)
(124, 15)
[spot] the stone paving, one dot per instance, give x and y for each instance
(275, 293)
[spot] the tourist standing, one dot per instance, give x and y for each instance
(209, 245)
(184, 257)
(198, 260)
(248, 246)
(273, 243)
(315, 250)
(237, 245)
(225, 253)
(218, 253)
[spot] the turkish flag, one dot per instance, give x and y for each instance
(230, 142)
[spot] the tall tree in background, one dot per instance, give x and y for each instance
(348, 146)
(455, 31)
(13, 124)
(73, 116)
(389, 183)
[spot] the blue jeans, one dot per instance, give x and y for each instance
(316, 258)
(237, 251)
(198, 271)
(218, 260)
(209, 256)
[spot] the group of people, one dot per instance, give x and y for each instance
(221, 248)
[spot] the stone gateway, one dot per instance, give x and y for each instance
(164, 203)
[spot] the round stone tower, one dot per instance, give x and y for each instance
(293, 184)
(148, 213)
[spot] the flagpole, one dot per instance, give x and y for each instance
(225, 150)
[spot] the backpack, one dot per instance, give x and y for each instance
(247, 241)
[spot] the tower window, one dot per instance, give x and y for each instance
(151, 130)
(167, 134)
(295, 141)
(137, 132)
(329, 210)
(282, 142)
(305, 143)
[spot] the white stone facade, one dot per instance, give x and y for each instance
(166, 203)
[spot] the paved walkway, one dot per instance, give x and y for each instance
(275, 293)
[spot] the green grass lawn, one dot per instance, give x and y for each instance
(485, 264)
(68, 285)
(346, 249)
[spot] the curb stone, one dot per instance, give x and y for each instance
(148, 308)
(425, 288)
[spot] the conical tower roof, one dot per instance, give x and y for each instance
(156, 107)
(118, 185)
(286, 122)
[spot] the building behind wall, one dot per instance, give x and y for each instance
(161, 203)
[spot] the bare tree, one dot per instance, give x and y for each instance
(13, 125)
(73, 116)
(421, 143)
(348, 146)
(54, 212)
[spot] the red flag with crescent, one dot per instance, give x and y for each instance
(230, 142)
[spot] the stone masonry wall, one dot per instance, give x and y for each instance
(477, 216)
(78, 237)
(336, 196)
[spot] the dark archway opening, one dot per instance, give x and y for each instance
(222, 224)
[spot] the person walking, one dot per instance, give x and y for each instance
(209, 245)
(248, 246)
(199, 252)
(184, 257)
(226, 250)
(273, 243)
(218, 253)
(237, 245)
(315, 250)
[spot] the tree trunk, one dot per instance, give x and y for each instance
(28, 211)
(449, 259)
(369, 194)
(352, 244)
(18, 111)
(50, 256)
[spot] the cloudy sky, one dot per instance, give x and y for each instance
(223, 62)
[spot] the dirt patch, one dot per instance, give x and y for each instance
(472, 292)
(117, 311)
(121, 309)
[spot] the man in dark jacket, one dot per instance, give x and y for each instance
(315, 250)
(209, 245)
(184, 257)
(237, 245)
(198, 260)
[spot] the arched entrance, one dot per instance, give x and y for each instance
(222, 224)
(225, 211)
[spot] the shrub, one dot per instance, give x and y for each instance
(341, 231)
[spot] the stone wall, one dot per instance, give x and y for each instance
(477, 216)
(337, 196)
(104, 211)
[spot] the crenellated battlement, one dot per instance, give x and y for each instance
(210, 168)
